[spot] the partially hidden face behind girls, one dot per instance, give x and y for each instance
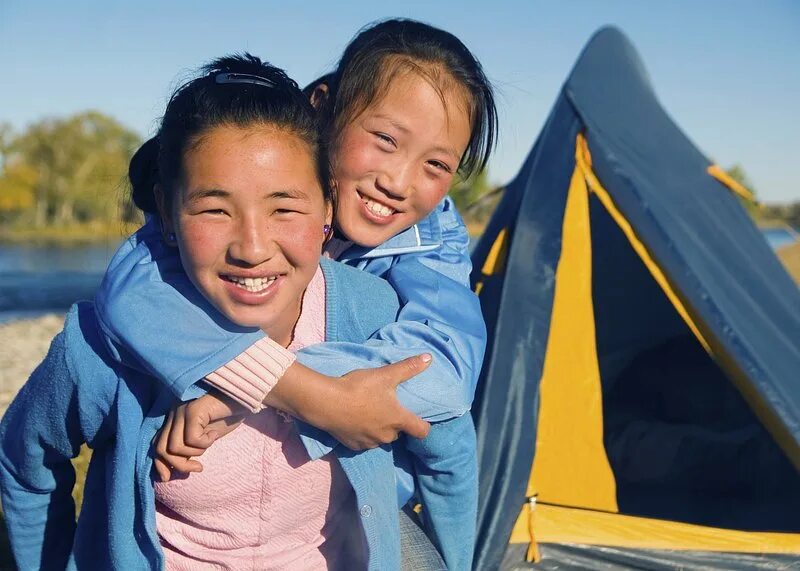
(248, 217)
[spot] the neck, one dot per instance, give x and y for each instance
(283, 332)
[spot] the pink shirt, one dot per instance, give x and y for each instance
(259, 502)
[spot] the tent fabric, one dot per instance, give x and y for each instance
(571, 464)
(711, 255)
(700, 236)
(562, 525)
(507, 399)
(589, 557)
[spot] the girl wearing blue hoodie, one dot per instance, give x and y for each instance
(407, 107)
(243, 197)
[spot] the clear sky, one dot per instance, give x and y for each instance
(728, 71)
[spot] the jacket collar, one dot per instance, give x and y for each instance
(424, 236)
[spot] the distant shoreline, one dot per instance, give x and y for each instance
(94, 233)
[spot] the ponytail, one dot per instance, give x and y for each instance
(143, 175)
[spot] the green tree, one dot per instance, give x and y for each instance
(788, 213)
(16, 189)
(6, 135)
(737, 173)
(79, 164)
(465, 192)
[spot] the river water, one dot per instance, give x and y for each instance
(37, 279)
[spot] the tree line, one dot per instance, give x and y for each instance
(61, 172)
(71, 171)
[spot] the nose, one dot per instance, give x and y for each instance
(253, 242)
(396, 180)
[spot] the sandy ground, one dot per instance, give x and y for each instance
(23, 344)
(790, 256)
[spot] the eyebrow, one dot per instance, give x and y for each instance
(394, 123)
(208, 193)
(447, 151)
(290, 193)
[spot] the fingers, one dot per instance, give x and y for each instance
(219, 428)
(162, 468)
(357, 444)
(414, 426)
(163, 471)
(177, 444)
(209, 418)
(401, 371)
(164, 461)
(160, 439)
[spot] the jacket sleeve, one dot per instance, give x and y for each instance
(446, 475)
(42, 430)
(177, 336)
(438, 314)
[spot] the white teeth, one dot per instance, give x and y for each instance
(377, 207)
(253, 284)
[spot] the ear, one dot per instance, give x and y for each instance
(167, 226)
(329, 213)
(319, 95)
(330, 206)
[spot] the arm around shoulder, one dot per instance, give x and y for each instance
(155, 320)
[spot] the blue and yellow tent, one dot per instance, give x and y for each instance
(640, 401)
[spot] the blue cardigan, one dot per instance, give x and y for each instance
(80, 394)
(180, 338)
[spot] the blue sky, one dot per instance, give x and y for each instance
(727, 71)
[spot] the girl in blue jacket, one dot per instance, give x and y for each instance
(407, 107)
(242, 197)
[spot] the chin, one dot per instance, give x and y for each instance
(369, 239)
(364, 234)
(372, 240)
(246, 318)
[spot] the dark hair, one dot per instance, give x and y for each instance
(364, 72)
(238, 90)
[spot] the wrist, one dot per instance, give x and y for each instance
(305, 394)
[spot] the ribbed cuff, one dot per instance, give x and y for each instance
(249, 377)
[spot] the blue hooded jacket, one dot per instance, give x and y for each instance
(80, 394)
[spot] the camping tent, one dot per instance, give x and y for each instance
(640, 400)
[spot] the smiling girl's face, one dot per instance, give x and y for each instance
(394, 162)
(249, 217)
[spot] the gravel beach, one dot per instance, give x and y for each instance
(23, 344)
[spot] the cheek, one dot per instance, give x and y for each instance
(304, 245)
(431, 193)
(354, 159)
(200, 244)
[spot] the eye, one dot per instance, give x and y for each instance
(214, 211)
(385, 139)
(439, 165)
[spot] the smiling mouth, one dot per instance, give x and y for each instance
(377, 208)
(253, 285)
